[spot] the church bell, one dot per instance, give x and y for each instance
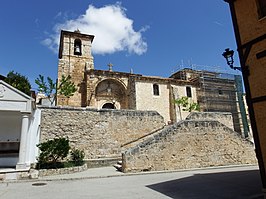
(77, 49)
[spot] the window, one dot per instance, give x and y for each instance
(261, 8)
(188, 90)
(220, 91)
(155, 89)
(77, 47)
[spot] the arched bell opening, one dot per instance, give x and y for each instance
(77, 47)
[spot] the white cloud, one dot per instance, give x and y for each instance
(112, 29)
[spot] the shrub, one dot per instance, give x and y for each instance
(77, 156)
(52, 151)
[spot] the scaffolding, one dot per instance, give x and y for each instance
(218, 92)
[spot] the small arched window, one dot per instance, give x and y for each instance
(156, 89)
(188, 90)
(77, 47)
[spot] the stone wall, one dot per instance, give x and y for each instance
(225, 118)
(61, 171)
(189, 144)
(100, 133)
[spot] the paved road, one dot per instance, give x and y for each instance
(238, 182)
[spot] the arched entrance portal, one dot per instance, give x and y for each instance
(111, 94)
(108, 106)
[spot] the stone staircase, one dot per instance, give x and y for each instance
(124, 147)
(135, 142)
(193, 135)
(223, 117)
(188, 144)
(143, 138)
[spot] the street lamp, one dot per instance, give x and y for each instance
(229, 56)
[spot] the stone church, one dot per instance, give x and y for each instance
(112, 89)
(121, 90)
(136, 131)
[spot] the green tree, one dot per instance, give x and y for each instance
(18, 81)
(65, 87)
(43, 87)
(184, 103)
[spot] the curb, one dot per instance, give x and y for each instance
(129, 174)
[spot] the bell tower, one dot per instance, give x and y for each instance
(74, 59)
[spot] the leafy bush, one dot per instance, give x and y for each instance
(77, 156)
(52, 151)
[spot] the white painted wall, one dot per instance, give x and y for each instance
(10, 130)
(180, 91)
(18, 119)
(34, 136)
(147, 101)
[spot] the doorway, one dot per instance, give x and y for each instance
(108, 106)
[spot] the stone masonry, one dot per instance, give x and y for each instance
(225, 118)
(147, 144)
(189, 144)
(100, 133)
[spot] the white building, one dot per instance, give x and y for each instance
(19, 128)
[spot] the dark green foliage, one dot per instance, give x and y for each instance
(77, 156)
(52, 151)
(18, 81)
(66, 87)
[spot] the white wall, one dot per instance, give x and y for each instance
(180, 91)
(10, 130)
(34, 136)
(147, 101)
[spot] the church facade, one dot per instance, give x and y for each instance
(121, 90)
(116, 90)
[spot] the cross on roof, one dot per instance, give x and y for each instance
(110, 66)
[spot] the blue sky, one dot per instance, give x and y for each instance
(167, 34)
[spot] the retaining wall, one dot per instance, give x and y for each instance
(100, 133)
(189, 144)
(225, 118)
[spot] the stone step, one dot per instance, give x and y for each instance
(118, 167)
